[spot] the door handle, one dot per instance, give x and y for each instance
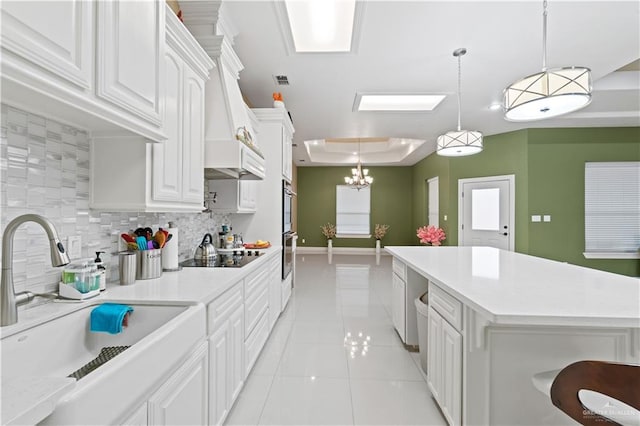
(505, 234)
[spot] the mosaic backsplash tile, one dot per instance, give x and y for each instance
(44, 169)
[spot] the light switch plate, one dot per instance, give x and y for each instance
(535, 218)
(74, 247)
(546, 218)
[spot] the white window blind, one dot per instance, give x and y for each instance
(352, 210)
(612, 207)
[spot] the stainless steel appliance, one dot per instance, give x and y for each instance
(236, 259)
(287, 253)
(287, 203)
(287, 233)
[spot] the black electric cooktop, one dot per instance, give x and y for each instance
(224, 260)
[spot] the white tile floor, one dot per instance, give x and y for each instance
(334, 357)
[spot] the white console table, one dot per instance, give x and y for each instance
(497, 318)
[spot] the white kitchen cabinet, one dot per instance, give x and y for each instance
(130, 49)
(287, 154)
(138, 418)
(398, 307)
(406, 286)
(168, 176)
(56, 36)
(96, 65)
(182, 400)
(275, 291)
(226, 347)
(285, 290)
(234, 196)
(444, 360)
(219, 343)
(256, 315)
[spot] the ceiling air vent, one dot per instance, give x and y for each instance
(281, 80)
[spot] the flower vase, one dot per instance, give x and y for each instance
(377, 246)
(329, 244)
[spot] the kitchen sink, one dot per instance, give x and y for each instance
(158, 337)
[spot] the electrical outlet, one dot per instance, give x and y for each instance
(546, 218)
(445, 217)
(74, 247)
(303, 241)
(535, 218)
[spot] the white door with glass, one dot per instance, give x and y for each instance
(486, 210)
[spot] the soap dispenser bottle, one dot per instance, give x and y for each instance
(102, 271)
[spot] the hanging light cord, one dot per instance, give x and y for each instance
(458, 53)
(459, 80)
(544, 35)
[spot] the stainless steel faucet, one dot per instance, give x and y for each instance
(9, 300)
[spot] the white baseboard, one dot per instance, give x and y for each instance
(340, 250)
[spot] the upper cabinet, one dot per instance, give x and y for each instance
(57, 36)
(96, 65)
(166, 176)
(130, 46)
(287, 151)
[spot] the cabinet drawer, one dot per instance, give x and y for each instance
(254, 308)
(254, 343)
(446, 305)
(255, 280)
(400, 269)
(221, 308)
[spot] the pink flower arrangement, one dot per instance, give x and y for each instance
(431, 235)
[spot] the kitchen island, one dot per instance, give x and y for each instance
(497, 318)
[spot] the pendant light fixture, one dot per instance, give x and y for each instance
(549, 93)
(458, 143)
(360, 177)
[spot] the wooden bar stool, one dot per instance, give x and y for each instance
(595, 392)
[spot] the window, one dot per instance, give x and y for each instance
(612, 210)
(352, 212)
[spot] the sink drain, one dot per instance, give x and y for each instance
(105, 355)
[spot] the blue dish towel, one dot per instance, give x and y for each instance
(108, 317)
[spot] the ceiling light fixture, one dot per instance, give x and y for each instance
(549, 93)
(321, 25)
(458, 143)
(360, 177)
(396, 102)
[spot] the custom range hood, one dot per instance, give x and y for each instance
(231, 150)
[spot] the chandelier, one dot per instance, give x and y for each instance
(458, 143)
(359, 177)
(548, 93)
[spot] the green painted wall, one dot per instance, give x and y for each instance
(504, 154)
(431, 166)
(556, 187)
(391, 203)
(549, 168)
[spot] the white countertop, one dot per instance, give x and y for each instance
(514, 288)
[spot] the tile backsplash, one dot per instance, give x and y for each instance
(44, 169)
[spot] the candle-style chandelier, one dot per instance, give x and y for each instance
(360, 177)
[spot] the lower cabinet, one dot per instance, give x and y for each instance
(139, 418)
(225, 318)
(182, 400)
(444, 366)
(275, 291)
(255, 342)
(398, 305)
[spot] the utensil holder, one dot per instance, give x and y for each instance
(149, 264)
(127, 270)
